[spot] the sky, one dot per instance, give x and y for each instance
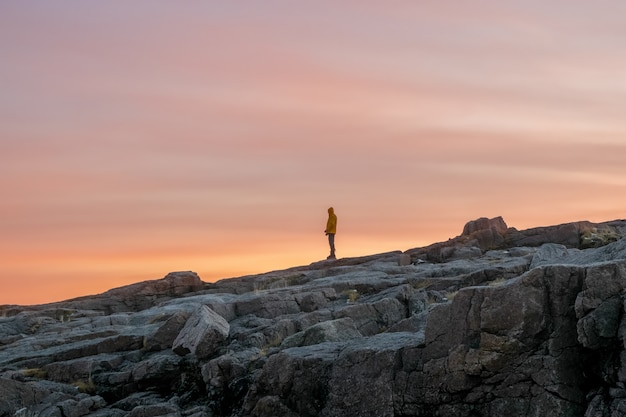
(145, 137)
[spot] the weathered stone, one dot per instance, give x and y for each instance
(404, 260)
(159, 368)
(271, 406)
(595, 237)
(362, 378)
(339, 330)
(204, 332)
(267, 305)
(601, 283)
(549, 253)
(298, 376)
(598, 329)
(496, 224)
(16, 395)
(167, 333)
(81, 369)
(452, 253)
(371, 319)
(484, 233)
(227, 378)
(312, 301)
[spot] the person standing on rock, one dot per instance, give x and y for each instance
(331, 229)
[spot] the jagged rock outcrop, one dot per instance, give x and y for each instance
(491, 234)
(493, 322)
(203, 333)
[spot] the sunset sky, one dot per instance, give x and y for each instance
(148, 136)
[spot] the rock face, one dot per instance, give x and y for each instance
(493, 322)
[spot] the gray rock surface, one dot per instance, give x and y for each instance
(202, 335)
(493, 322)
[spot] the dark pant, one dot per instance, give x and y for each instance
(331, 243)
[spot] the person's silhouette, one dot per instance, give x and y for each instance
(331, 229)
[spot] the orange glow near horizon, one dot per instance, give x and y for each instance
(144, 138)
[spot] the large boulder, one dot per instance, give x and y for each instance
(167, 333)
(204, 332)
(496, 224)
(487, 233)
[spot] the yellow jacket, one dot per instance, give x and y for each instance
(331, 224)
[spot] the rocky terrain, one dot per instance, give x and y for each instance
(493, 322)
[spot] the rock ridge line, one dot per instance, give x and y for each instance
(493, 322)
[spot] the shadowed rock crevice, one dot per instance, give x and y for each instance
(493, 322)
